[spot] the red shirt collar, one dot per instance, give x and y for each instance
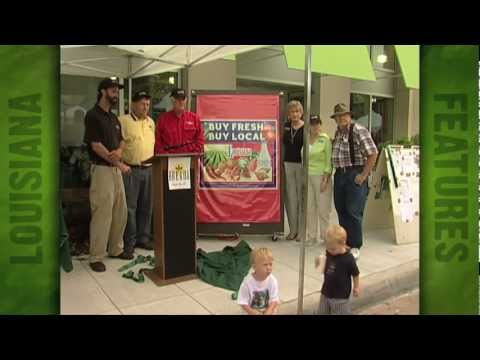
(180, 115)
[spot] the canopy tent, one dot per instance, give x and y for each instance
(132, 61)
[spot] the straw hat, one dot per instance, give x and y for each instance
(340, 109)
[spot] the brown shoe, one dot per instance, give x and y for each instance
(124, 256)
(98, 266)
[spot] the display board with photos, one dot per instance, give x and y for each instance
(405, 162)
(394, 190)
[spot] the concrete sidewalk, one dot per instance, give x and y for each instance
(386, 270)
(405, 304)
(376, 287)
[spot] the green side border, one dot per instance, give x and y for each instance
(449, 180)
(29, 179)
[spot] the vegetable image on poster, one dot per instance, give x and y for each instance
(239, 152)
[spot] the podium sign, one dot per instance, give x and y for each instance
(179, 173)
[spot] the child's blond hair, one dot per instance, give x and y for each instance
(261, 253)
(336, 235)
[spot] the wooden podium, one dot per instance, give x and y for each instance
(174, 224)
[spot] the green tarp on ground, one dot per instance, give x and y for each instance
(226, 268)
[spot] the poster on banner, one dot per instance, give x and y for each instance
(239, 152)
(239, 178)
(179, 173)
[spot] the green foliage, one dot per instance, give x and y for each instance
(406, 142)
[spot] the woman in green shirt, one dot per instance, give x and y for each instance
(319, 182)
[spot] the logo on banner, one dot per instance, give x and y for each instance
(179, 173)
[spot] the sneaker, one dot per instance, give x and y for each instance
(299, 238)
(124, 256)
(98, 266)
(147, 245)
(355, 252)
(291, 237)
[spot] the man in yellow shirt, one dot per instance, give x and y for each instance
(138, 131)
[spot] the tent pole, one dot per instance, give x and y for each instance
(187, 76)
(129, 93)
(206, 55)
(130, 68)
(89, 68)
(306, 127)
(121, 103)
(186, 85)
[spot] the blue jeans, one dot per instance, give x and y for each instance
(138, 191)
(350, 200)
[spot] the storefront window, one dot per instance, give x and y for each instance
(376, 114)
(159, 87)
(79, 94)
(382, 120)
(360, 105)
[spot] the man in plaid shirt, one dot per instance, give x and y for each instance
(353, 156)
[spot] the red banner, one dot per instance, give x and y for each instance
(240, 173)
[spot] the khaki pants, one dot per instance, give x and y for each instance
(294, 196)
(319, 208)
(109, 212)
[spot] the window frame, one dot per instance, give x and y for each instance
(370, 98)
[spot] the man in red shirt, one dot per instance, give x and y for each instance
(179, 130)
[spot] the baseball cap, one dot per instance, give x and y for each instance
(178, 94)
(108, 83)
(315, 119)
(140, 95)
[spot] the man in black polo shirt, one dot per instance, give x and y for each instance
(108, 205)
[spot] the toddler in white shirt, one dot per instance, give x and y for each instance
(258, 294)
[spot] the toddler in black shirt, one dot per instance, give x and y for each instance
(339, 267)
